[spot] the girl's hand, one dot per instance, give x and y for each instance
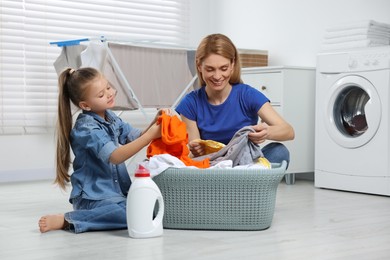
(154, 131)
(167, 111)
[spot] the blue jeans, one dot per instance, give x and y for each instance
(276, 153)
(89, 215)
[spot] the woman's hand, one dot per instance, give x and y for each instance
(196, 148)
(260, 135)
(272, 127)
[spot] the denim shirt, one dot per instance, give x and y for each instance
(93, 139)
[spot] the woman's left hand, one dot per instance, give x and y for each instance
(260, 135)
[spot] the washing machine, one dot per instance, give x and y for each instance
(352, 121)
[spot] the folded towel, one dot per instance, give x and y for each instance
(360, 25)
(352, 44)
(381, 40)
(353, 32)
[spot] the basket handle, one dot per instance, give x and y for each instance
(283, 165)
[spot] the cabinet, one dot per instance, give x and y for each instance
(291, 91)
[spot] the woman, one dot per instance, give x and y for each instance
(223, 104)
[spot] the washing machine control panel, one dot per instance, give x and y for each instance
(368, 61)
(354, 61)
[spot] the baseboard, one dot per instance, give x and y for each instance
(27, 175)
(305, 176)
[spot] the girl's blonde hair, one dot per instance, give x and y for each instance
(221, 45)
(73, 86)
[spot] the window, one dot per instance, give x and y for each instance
(28, 81)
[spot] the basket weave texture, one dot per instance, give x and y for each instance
(219, 199)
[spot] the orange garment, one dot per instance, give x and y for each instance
(173, 141)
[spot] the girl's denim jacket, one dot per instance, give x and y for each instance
(93, 139)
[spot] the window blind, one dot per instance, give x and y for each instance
(28, 81)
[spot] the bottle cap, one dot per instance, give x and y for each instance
(141, 172)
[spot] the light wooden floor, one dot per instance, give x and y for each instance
(309, 223)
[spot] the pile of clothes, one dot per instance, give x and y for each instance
(359, 34)
(171, 150)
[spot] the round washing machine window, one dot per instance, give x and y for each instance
(353, 111)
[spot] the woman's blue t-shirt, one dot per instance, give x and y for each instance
(221, 122)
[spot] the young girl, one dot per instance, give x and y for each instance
(101, 143)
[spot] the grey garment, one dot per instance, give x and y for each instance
(69, 57)
(240, 150)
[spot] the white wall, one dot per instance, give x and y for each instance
(290, 30)
(26, 157)
(201, 20)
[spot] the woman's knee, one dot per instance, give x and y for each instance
(276, 152)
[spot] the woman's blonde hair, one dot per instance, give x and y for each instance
(221, 45)
(73, 86)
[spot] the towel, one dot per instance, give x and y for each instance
(359, 25)
(360, 34)
(69, 57)
(350, 38)
(352, 44)
(173, 141)
(353, 32)
(94, 56)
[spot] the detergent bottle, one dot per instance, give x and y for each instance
(143, 196)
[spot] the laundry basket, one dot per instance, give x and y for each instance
(219, 199)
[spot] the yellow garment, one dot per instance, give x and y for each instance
(264, 162)
(210, 146)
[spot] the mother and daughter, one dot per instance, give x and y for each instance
(101, 142)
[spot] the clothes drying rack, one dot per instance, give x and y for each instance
(144, 73)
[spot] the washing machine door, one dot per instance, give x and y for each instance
(353, 112)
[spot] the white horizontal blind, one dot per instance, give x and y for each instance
(28, 81)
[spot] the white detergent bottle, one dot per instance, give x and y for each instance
(141, 201)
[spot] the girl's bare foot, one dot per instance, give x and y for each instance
(52, 222)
